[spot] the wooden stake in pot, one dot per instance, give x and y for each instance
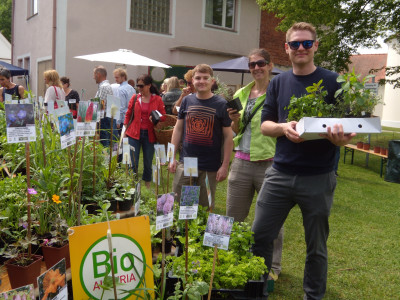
(28, 184)
(80, 184)
(213, 270)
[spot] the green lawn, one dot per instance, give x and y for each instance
(364, 246)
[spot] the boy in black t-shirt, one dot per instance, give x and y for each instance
(203, 123)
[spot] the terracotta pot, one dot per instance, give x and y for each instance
(53, 255)
(23, 275)
(366, 146)
(360, 145)
(377, 149)
(383, 151)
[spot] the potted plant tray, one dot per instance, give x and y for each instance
(252, 290)
(309, 128)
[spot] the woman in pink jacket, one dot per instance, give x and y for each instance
(139, 126)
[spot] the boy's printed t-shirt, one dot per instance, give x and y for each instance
(202, 130)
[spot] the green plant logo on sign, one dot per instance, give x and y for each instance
(129, 266)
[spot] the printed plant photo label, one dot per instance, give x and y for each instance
(165, 210)
(189, 204)
(218, 231)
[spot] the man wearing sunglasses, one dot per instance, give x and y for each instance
(302, 173)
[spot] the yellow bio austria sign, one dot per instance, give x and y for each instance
(131, 256)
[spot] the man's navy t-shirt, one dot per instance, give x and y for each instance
(202, 130)
(309, 157)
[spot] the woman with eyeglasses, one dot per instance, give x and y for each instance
(139, 125)
(254, 151)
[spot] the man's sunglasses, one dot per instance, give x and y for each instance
(260, 63)
(140, 85)
(296, 44)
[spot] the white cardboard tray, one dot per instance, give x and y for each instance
(310, 128)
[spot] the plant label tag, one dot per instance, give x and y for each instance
(20, 122)
(126, 152)
(156, 174)
(86, 119)
(189, 204)
(57, 275)
(50, 107)
(67, 130)
(41, 101)
(208, 191)
(165, 210)
(8, 99)
(113, 107)
(137, 198)
(218, 231)
(170, 152)
(190, 166)
(24, 292)
(62, 110)
(160, 153)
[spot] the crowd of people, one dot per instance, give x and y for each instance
(270, 158)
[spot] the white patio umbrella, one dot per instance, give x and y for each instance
(123, 56)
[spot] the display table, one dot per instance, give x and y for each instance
(351, 148)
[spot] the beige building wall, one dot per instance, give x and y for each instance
(32, 38)
(98, 26)
(391, 109)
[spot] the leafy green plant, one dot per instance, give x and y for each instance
(311, 105)
(235, 267)
(355, 99)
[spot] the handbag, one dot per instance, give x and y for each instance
(133, 112)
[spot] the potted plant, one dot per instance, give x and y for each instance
(57, 247)
(23, 267)
(352, 109)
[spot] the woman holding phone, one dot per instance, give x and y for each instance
(139, 125)
(254, 151)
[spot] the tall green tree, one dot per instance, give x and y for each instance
(5, 18)
(342, 26)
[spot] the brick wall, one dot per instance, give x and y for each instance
(273, 41)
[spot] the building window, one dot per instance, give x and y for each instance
(32, 8)
(27, 63)
(150, 15)
(220, 13)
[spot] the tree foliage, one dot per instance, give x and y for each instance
(342, 25)
(5, 18)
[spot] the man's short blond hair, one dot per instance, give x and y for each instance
(121, 72)
(301, 26)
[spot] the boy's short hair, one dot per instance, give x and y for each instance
(203, 68)
(301, 26)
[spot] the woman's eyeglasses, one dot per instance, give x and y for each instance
(140, 86)
(260, 63)
(295, 45)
